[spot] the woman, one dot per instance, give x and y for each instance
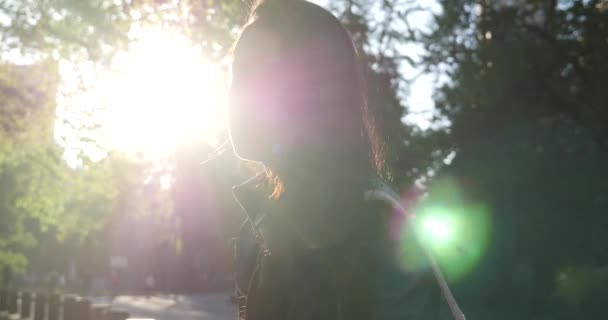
(298, 106)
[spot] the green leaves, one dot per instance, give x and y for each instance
(525, 108)
(40, 196)
(38, 191)
(65, 28)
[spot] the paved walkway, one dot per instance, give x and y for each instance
(175, 307)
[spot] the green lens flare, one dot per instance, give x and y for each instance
(438, 229)
(457, 233)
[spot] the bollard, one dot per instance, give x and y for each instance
(40, 306)
(70, 304)
(54, 308)
(83, 310)
(99, 312)
(3, 300)
(13, 302)
(26, 305)
(118, 315)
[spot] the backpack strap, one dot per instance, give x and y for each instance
(386, 194)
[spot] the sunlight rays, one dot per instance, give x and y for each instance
(159, 94)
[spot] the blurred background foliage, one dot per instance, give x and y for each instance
(518, 125)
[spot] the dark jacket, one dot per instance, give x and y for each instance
(362, 277)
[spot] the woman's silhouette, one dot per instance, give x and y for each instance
(298, 106)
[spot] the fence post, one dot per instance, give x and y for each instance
(40, 306)
(69, 308)
(118, 315)
(13, 302)
(98, 313)
(54, 307)
(26, 305)
(83, 310)
(3, 300)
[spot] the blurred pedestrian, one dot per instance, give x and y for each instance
(114, 284)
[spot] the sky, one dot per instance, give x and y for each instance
(420, 98)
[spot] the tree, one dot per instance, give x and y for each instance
(40, 194)
(29, 168)
(45, 29)
(380, 29)
(525, 107)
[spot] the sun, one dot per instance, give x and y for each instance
(160, 94)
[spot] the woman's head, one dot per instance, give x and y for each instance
(297, 91)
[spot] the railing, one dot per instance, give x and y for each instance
(16, 305)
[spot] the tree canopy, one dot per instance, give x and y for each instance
(525, 103)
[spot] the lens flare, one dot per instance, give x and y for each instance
(438, 229)
(456, 231)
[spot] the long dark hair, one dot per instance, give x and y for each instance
(298, 105)
(308, 93)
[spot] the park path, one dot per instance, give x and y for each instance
(175, 307)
